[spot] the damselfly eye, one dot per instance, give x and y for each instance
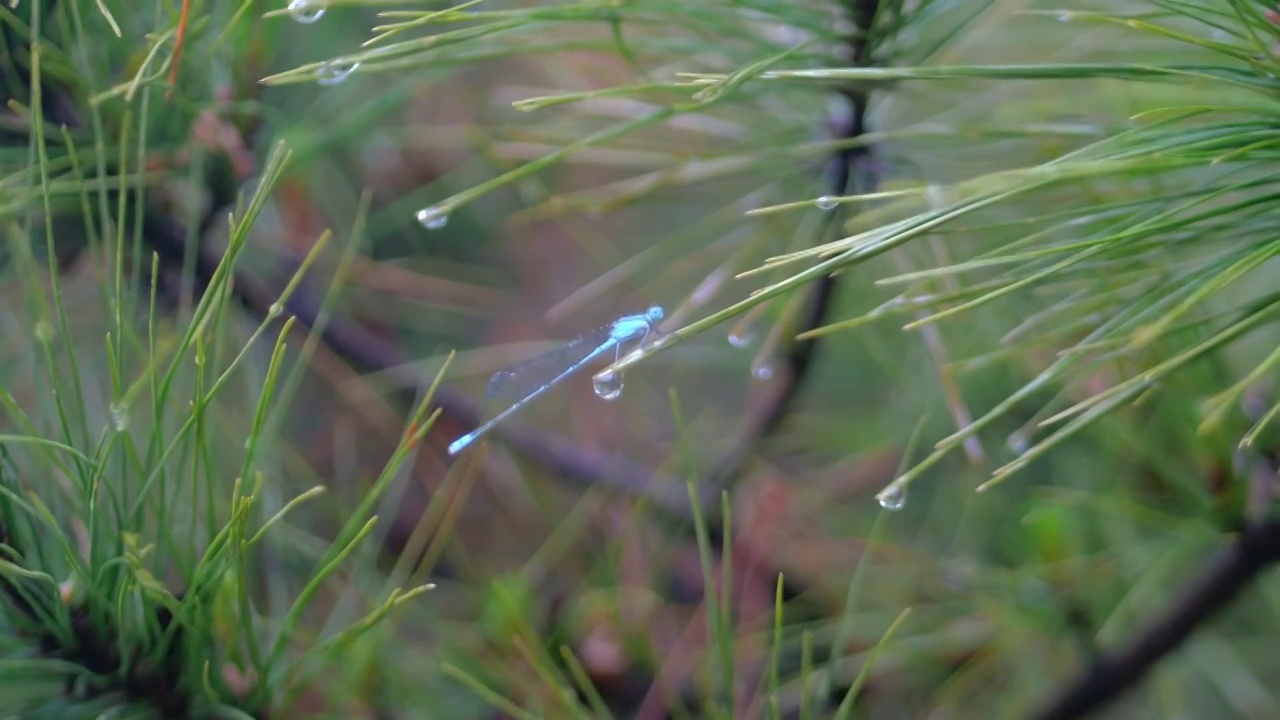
(655, 313)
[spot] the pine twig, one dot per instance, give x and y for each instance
(847, 168)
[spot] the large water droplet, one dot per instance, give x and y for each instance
(893, 497)
(826, 202)
(304, 11)
(740, 338)
(120, 417)
(433, 218)
(608, 385)
(335, 71)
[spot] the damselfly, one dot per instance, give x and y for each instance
(531, 378)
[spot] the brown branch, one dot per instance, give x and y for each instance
(850, 168)
(1223, 578)
(369, 352)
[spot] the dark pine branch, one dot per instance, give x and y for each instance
(1223, 578)
(848, 169)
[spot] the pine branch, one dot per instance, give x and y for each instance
(1221, 581)
(369, 352)
(851, 166)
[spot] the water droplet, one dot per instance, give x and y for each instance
(304, 11)
(743, 332)
(44, 331)
(335, 71)
(762, 370)
(433, 218)
(608, 385)
(1066, 16)
(120, 417)
(893, 497)
(826, 202)
(1018, 442)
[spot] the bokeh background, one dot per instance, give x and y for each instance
(571, 568)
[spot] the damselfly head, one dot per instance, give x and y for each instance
(654, 313)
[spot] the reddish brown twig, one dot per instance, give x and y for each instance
(178, 43)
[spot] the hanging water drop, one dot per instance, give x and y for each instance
(1018, 442)
(120, 417)
(433, 218)
(608, 384)
(305, 11)
(764, 364)
(762, 370)
(335, 71)
(893, 497)
(826, 202)
(743, 332)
